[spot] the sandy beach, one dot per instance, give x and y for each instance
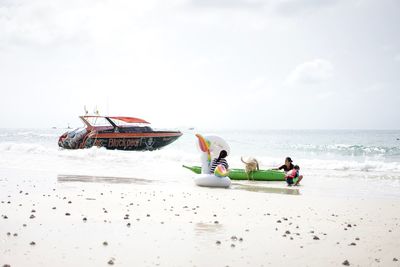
(79, 220)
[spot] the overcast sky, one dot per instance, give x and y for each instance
(297, 64)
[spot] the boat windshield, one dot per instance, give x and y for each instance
(121, 123)
(98, 121)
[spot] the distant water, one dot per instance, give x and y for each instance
(332, 156)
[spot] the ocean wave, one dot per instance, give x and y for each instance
(34, 134)
(348, 149)
(23, 148)
(96, 153)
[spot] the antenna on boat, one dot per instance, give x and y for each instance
(86, 111)
(108, 113)
(96, 111)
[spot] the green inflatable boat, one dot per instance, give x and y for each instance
(240, 174)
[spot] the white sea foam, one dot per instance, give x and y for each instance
(23, 148)
(347, 149)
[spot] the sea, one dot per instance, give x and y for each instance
(339, 163)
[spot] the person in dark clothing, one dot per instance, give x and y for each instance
(220, 160)
(287, 166)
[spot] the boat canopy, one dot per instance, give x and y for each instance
(92, 120)
(129, 119)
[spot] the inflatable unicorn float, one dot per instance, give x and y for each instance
(210, 147)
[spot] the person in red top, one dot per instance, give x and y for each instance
(290, 175)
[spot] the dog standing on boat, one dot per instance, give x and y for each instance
(251, 165)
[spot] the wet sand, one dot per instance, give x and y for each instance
(78, 220)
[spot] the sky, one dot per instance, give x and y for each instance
(215, 64)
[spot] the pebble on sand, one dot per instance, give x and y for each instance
(346, 263)
(32, 243)
(105, 243)
(395, 259)
(316, 237)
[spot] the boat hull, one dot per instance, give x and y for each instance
(240, 174)
(116, 141)
(131, 143)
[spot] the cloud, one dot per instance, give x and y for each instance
(281, 7)
(397, 57)
(311, 72)
(228, 3)
(49, 23)
(325, 95)
(292, 7)
(43, 23)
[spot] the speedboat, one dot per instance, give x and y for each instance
(122, 133)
